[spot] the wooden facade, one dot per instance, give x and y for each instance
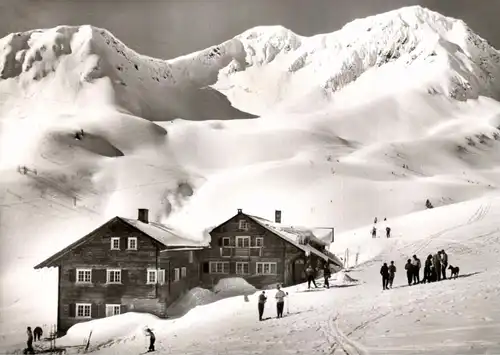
(243, 247)
(116, 269)
(130, 265)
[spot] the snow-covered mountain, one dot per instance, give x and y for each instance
(370, 120)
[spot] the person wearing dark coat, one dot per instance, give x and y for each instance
(29, 343)
(152, 339)
(327, 274)
(310, 277)
(262, 302)
(416, 269)
(37, 332)
(392, 273)
(384, 271)
(436, 262)
(409, 271)
(428, 270)
(444, 263)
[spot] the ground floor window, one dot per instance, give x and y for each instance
(219, 267)
(83, 310)
(266, 268)
(112, 310)
(242, 268)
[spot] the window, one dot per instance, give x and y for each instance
(83, 275)
(191, 256)
(219, 267)
(115, 243)
(243, 225)
(114, 276)
(83, 310)
(132, 243)
(112, 310)
(226, 242)
(183, 272)
(242, 242)
(242, 268)
(259, 242)
(266, 268)
(152, 276)
(176, 274)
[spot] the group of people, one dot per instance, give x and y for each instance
(387, 228)
(280, 302)
(32, 336)
(434, 270)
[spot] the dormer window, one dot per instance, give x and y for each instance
(115, 243)
(132, 243)
(243, 225)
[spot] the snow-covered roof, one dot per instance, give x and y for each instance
(297, 236)
(164, 234)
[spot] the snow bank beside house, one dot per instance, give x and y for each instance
(233, 286)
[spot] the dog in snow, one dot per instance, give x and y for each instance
(454, 271)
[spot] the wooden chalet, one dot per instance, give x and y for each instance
(263, 252)
(124, 265)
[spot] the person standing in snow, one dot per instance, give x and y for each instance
(392, 273)
(444, 263)
(37, 332)
(262, 302)
(428, 269)
(310, 277)
(409, 267)
(29, 343)
(327, 274)
(416, 269)
(374, 232)
(152, 339)
(436, 261)
(375, 220)
(384, 271)
(280, 301)
(388, 232)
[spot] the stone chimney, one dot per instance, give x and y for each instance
(240, 211)
(277, 216)
(143, 215)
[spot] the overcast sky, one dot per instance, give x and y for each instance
(169, 28)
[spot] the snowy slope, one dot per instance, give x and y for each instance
(347, 133)
(458, 316)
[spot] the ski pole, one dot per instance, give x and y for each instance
(288, 305)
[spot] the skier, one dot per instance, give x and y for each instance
(384, 271)
(416, 269)
(392, 273)
(327, 274)
(436, 261)
(428, 269)
(262, 302)
(29, 343)
(310, 277)
(280, 302)
(152, 339)
(444, 263)
(375, 220)
(409, 267)
(374, 232)
(388, 231)
(37, 332)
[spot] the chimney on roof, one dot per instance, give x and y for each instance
(142, 215)
(240, 210)
(277, 216)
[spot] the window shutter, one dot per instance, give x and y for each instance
(99, 276)
(72, 310)
(123, 308)
(206, 267)
(161, 276)
(220, 241)
(232, 268)
(94, 311)
(123, 243)
(125, 276)
(72, 275)
(101, 311)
